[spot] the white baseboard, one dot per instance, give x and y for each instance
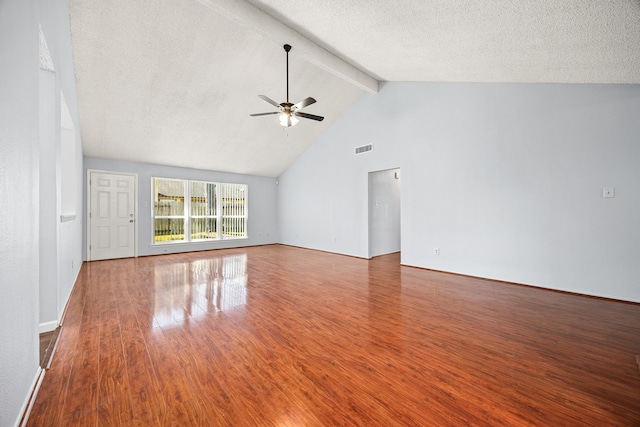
(25, 411)
(48, 326)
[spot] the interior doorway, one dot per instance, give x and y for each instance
(112, 215)
(384, 212)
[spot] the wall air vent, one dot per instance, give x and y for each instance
(364, 149)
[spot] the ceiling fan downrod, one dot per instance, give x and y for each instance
(287, 48)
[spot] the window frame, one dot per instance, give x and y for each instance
(187, 217)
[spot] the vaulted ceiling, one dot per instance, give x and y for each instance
(173, 82)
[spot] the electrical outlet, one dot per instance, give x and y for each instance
(608, 192)
(436, 251)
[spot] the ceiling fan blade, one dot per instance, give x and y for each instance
(305, 102)
(269, 100)
(308, 116)
(265, 114)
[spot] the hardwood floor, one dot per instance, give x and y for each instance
(282, 336)
(48, 341)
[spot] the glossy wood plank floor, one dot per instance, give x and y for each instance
(282, 336)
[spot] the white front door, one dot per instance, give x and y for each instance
(112, 222)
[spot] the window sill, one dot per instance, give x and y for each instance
(196, 242)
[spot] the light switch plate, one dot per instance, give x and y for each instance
(608, 192)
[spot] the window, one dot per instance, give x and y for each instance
(204, 210)
(214, 211)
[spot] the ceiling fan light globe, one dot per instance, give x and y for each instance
(288, 120)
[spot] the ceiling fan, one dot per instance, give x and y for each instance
(289, 112)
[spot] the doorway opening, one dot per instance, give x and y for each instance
(384, 212)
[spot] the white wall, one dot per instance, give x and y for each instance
(506, 179)
(262, 216)
(48, 234)
(19, 191)
(61, 240)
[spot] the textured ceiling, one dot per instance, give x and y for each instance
(173, 82)
(561, 41)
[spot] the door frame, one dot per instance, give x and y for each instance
(135, 208)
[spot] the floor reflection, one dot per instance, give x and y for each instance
(385, 303)
(185, 291)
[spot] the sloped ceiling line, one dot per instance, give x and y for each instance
(255, 19)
